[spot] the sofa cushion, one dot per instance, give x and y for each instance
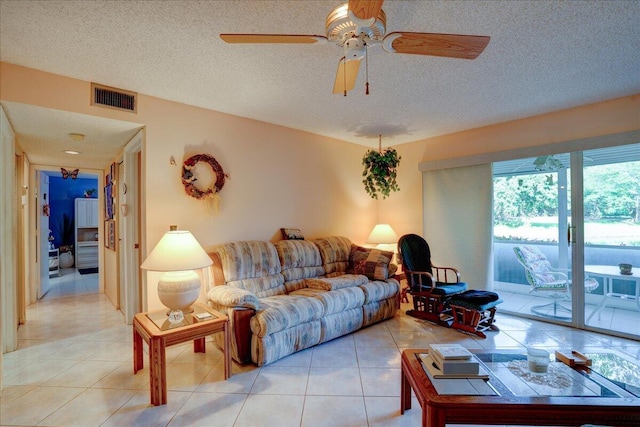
(371, 262)
(252, 265)
(337, 282)
(341, 300)
(335, 254)
(299, 259)
(379, 290)
(284, 311)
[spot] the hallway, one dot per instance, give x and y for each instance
(70, 282)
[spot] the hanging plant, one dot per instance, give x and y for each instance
(380, 171)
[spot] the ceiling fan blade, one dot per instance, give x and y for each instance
(271, 38)
(365, 9)
(448, 45)
(348, 69)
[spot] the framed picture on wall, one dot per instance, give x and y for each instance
(110, 234)
(108, 201)
(291, 234)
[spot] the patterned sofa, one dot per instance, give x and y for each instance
(287, 296)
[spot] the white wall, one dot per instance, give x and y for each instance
(8, 235)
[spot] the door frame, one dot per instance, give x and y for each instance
(130, 189)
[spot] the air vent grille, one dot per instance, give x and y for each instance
(105, 96)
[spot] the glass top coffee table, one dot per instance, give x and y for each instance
(513, 395)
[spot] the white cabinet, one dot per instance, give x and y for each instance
(86, 219)
(54, 262)
(86, 213)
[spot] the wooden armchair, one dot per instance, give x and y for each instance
(430, 286)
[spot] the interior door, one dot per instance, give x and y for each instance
(43, 234)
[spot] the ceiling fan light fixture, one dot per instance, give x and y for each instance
(340, 23)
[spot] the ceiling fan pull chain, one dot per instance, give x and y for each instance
(344, 69)
(366, 65)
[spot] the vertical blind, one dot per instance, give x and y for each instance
(457, 206)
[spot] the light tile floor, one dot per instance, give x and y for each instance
(74, 368)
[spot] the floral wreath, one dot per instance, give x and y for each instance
(188, 179)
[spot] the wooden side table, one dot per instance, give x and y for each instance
(154, 328)
(402, 296)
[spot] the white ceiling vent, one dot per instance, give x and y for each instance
(120, 99)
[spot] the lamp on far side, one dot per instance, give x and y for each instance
(384, 238)
(177, 254)
(382, 234)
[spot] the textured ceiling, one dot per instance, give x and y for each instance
(543, 56)
(44, 135)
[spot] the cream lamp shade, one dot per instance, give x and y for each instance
(382, 234)
(177, 254)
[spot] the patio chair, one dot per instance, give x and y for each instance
(545, 279)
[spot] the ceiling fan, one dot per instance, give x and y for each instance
(359, 24)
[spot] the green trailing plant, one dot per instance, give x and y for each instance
(380, 172)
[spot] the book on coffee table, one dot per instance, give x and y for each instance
(450, 351)
(456, 366)
(434, 372)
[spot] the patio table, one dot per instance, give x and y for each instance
(608, 274)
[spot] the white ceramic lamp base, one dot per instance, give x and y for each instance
(178, 290)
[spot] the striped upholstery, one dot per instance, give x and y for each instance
(337, 282)
(284, 311)
(335, 252)
(300, 259)
(380, 290)
(294, 294)
(252, 265)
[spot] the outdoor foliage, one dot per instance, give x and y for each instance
(610, 191)
(613, 191)
(525, 206)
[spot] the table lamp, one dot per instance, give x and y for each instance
(382, 234)
(177, 254)
(384, 238)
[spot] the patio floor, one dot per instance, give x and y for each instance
(614, 319)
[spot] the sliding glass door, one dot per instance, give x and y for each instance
(578, 213)
(531, 220)
(611, 217)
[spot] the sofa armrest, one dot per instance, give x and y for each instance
(233, 297)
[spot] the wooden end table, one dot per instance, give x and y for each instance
(155, 329)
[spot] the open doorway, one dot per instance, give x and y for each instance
(72, 238)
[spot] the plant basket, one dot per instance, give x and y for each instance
(380, 171)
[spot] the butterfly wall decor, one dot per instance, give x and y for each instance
(66, 174)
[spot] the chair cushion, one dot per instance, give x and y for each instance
(449, 288)
(370, 262)
(536, 263)
(476, 297)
